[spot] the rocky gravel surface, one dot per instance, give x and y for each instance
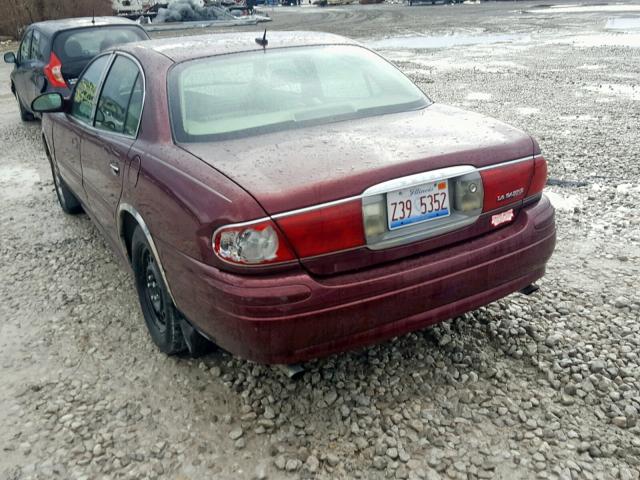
(543, 386)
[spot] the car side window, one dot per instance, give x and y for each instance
(36, 53)
(116, 94)
(25, 47)
(135, 108)
(86, 89)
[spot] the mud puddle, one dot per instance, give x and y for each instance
(417, 42)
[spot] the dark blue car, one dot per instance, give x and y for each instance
(53, 53)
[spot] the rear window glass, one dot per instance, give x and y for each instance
(85, 43)
(246, 94)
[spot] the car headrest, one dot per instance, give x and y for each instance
(106, 43)
(73, 49)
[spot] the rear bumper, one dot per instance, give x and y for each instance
(292, 317)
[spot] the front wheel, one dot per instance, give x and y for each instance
(160, 314)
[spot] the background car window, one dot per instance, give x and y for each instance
(135, 109)
(76, 47)
(25, 47)
(36, 47)
(116, 93)
(86, 90)
(82, 44)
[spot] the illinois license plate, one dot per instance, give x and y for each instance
(418, 204)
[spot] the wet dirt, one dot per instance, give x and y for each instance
(543, 386)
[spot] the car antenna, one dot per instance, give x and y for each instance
(263, 42)
(93, 16)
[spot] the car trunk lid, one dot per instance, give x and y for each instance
(298, 169)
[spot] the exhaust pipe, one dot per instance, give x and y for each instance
(293, 371)
(530, 289)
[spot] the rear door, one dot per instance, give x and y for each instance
(69, 131)
(37, 81)
(105, 148)
(22, 73)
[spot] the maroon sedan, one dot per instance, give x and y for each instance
(294, 199)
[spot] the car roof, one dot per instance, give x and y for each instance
(53, 26)
(180, 49)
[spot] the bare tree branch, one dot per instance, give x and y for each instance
(21, 13)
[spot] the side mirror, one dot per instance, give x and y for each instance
(9, 57)
(48, 103)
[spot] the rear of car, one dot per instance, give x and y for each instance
(53, 53)
(296, 315)
(72, 49)
(384, 213)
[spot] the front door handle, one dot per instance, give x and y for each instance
(115, 168)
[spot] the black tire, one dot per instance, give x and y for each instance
(25, 115)
(160, 314)
(66, 198)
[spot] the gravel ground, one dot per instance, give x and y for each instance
(545, 386)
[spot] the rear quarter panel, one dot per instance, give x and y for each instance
(181, 199)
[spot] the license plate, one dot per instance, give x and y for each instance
(418, 204)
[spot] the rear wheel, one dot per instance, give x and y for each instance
(160, 314)
(25, 115)
(68, 201)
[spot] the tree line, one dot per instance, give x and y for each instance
(17, 14)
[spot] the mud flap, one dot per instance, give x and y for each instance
(530, 289)
(196, 343)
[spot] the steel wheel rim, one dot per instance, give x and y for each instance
(152, 291)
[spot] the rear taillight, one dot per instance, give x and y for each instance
(310, 232)
(348, 224)
(505, 184)
(539, 179)
(53, 71)
(325, 229)
(256, 243)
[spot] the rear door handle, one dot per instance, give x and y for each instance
(115, 168)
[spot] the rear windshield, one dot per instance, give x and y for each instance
(251, 93)
(83, 44)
